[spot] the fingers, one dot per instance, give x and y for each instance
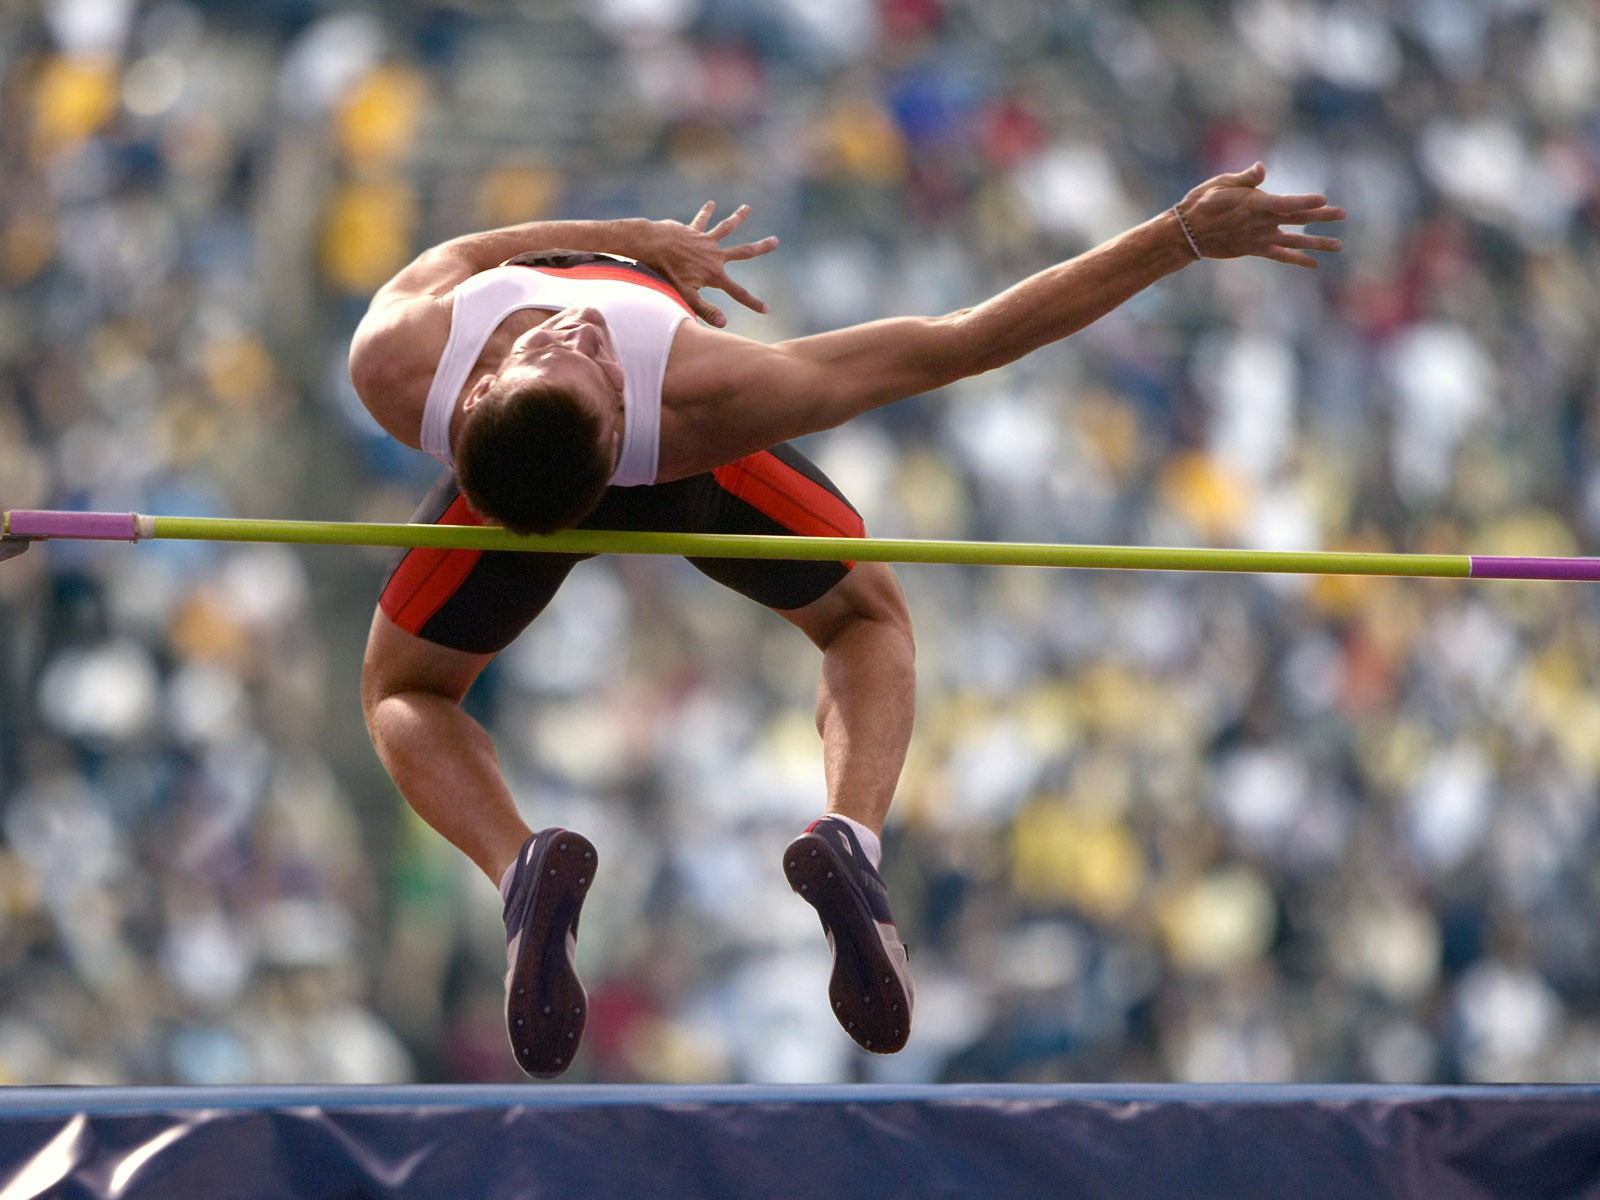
(707, 311)
(1291, 257)
(739, 254)
(728, 224)
(706, 272)
(741, 295)
(750, 249)
(1302, 241)
(1291, 249)
(698, 304)
(1252, 177)
(1300, 210)
(1310, 216)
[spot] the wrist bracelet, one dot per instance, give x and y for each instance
(1188, 237)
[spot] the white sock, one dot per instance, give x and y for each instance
(871, 846)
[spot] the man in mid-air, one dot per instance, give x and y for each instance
(557, 372)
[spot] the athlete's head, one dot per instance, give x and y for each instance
(540, 438)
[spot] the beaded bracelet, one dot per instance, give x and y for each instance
(1189, 237)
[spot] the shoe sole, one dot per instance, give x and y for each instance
(865, 990)
(546, 1006)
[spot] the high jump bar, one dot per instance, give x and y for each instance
(24, 526)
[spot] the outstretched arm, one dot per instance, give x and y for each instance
(690, 257)
(736, 396)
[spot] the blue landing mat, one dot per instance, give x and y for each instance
(1133, 1142)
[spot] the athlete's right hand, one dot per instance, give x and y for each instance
(691, 257)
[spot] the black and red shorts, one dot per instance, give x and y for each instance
(480, 600)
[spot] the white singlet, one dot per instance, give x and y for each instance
(642, 322)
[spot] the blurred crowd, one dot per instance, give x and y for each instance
(1153, 827)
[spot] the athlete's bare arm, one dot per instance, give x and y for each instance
(725, 396)
(397, 345)
(690, 257)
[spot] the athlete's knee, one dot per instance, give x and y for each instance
(378, 692)
(398, 665)
(870, 595)
(883, 598)
(374, 691)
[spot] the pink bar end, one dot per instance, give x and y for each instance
(45, 523)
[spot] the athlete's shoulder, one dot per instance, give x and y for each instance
(397, 343)
(706, 363)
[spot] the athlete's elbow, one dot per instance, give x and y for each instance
(963, 347)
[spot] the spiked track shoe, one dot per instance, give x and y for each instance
(871, 990)
(546, 1006)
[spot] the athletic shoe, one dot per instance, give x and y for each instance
(546, 1006)
(871, 984)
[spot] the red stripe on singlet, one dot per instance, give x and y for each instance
(797, 503)
(427, 577)
(621, 275)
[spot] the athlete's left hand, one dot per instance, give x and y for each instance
(1232, 217)
(691, 257)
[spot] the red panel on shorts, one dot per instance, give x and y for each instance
(427, 576)
(788, 497)
(622, 275)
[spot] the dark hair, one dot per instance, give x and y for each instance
(532, 460)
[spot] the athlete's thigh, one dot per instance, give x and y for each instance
(778, 491)
(473, 601)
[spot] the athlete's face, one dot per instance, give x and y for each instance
(573, 351)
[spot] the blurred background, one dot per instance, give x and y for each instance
(1153, 827)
